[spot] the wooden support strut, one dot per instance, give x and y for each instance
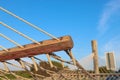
(24, 67)
(34, 63)
(49, 60)
(21, 63)
(62, 63)
(69, 52)
(6, 67)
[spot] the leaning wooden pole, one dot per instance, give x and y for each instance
(95, 57)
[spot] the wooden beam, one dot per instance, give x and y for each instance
(46, 46)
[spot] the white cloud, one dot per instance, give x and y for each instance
(110, 9)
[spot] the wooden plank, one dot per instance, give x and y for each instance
(46, 46)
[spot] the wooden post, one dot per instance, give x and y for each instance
(21, 63)
(49, 60)
(69, 52)
(5, 66)
(62, 63)
(95, 57)
(34, 63)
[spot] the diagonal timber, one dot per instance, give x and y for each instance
(46, 46)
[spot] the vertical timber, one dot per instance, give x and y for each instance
(95, 57)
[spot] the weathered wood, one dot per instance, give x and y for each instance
(95, 57)
(46, 46)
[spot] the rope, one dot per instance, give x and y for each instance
(4, 48)
(19, 32)
(34, 26)
(11, 40)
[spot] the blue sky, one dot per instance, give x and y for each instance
(83, 20)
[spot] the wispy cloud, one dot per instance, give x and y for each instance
(112, 45)
(110, 9)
